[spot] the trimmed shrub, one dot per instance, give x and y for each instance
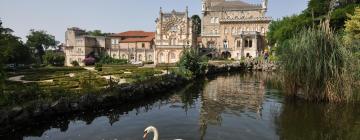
(75, 63)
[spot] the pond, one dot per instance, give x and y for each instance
(225, 107)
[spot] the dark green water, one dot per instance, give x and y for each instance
(228, 107)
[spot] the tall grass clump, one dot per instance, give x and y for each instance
(315, 66)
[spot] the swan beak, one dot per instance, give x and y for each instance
(145, 135)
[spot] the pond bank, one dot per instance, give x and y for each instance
(119, 95)
(216, 67)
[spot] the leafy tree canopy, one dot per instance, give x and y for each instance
(39, 41)
(317, 10)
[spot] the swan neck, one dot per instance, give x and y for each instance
(156, 134)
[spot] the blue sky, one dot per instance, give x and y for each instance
(55, 16)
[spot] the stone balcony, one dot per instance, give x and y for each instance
(254, 19)
(170, 46)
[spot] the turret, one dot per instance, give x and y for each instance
(203, 6)
(264, 4)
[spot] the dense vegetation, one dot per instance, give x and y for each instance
(318, 51)
(191, 63)
(316, 12)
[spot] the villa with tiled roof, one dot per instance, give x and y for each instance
(133, 46)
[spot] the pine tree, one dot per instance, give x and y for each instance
(352, 27)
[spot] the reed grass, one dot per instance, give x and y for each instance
(317, 66)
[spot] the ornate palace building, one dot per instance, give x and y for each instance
(173, 34)
(234, 28)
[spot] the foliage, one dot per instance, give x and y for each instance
(98, 66)
(106, 59)
(314, 64)
(39, 41)
(12, 49)
(97, 33)
(352, 27)
(54, 58)
(75, 63)
(196, 20)
(339, 16)
(284, 29)
(192, 61)
(89, 61)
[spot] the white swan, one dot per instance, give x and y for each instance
(154, 130)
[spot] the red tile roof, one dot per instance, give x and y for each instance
(133, 34)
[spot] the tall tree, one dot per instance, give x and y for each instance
(39, 41)
(12, 50)
(196, 24)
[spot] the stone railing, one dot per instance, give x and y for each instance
(246, 19)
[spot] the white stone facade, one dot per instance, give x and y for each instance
(234, 27)
(173, 34)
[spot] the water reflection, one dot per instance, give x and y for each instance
(231, 107)
(300, 120)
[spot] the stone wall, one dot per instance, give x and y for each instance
(42, 110)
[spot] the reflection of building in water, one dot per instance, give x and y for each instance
(234, 95)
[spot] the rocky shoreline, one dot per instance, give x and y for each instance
(219, 67)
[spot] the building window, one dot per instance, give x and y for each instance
(172, 56)
(162, 58)
(216, 20)
(143, 45)
(263, 30)
(238, 43)
(212, 20)
(132, 57)
(225, 44)
(248, 43)
(140, 57)
(150, 58)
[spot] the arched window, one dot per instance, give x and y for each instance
(172, 56)
(225, 44)
(162, 58)
(132, 57)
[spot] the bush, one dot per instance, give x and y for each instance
(106, 59)
(314, 65)
(54, 59)
(89, 61)
(98, 66)
(192, 61)
(75, 63)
